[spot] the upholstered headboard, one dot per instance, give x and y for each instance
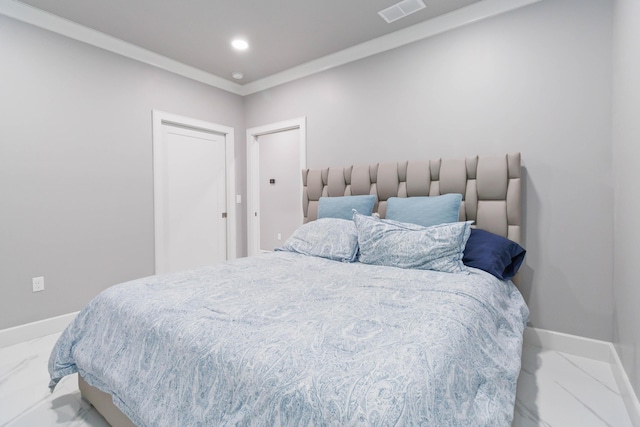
(490, 187)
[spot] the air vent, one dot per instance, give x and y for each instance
(400, 10)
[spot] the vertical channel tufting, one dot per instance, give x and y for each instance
(514, 198)
(373, 173)
(453, 176)
(325, 176)
(471, 195)
(325, 182)
(492, 178)
(402, 179)
(418, 178)
(335, 182)
(471, 201)
(360, 180)
(373, 189)
(314, 184)
(347, 174)
(491, 187)
(514, 202)
(515, 168)
(305, 202)
(472, 166)
(387, 180)
(347, 180)
(402, 171)
(313, 193)
(491, 182)
(402, 190)
(492, 216)
(313, 211)
(387, 185)
(434, 167)
(305, 195)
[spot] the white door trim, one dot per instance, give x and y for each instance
(161, 118)
(253, 173)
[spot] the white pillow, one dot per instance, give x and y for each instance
(396, 244)
(331, 238)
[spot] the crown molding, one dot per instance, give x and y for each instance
(440, 24)
(457, 18)
(48, 21)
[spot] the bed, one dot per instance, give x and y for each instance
(334, 337)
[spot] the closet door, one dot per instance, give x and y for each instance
(191, 189)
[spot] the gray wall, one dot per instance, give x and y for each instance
(536, 80)
(76, 183)
(626, 162)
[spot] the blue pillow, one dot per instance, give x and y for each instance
(342, 207)
(425, 211)
(395, 244)
(494, 254)
(330, 238)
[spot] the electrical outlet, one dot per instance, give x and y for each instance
(279, 236)
(38, 284)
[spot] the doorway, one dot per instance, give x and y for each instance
(193, 190)
(276, 155)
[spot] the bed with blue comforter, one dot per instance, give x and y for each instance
(297, 340)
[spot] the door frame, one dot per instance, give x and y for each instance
(161, 118)
(253, 173)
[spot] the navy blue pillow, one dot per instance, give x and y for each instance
(494, 254)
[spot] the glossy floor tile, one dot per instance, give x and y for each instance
(554, 389)
(25, 399)
(559, 389)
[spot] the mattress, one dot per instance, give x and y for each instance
(289, 339)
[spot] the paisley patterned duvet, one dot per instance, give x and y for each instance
(295, 340)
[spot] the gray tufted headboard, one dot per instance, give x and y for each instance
(490, 187)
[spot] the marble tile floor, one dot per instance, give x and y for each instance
(554, 389)
(560, 389)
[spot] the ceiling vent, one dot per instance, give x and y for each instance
(400, 10)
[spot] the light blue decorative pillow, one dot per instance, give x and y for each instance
(330, 238)
(425, 211)
(342, 207)
(394, 244)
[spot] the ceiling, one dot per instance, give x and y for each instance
(282, 34)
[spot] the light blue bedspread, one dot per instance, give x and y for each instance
(289, 339)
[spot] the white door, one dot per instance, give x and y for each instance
(280, 187)
(192, 191)
(274, 210)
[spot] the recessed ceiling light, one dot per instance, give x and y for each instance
(240, 44)
(237, 75)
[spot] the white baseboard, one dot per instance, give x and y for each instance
(626, 389)
(29, 331)
(570, 344)
(601, 351)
